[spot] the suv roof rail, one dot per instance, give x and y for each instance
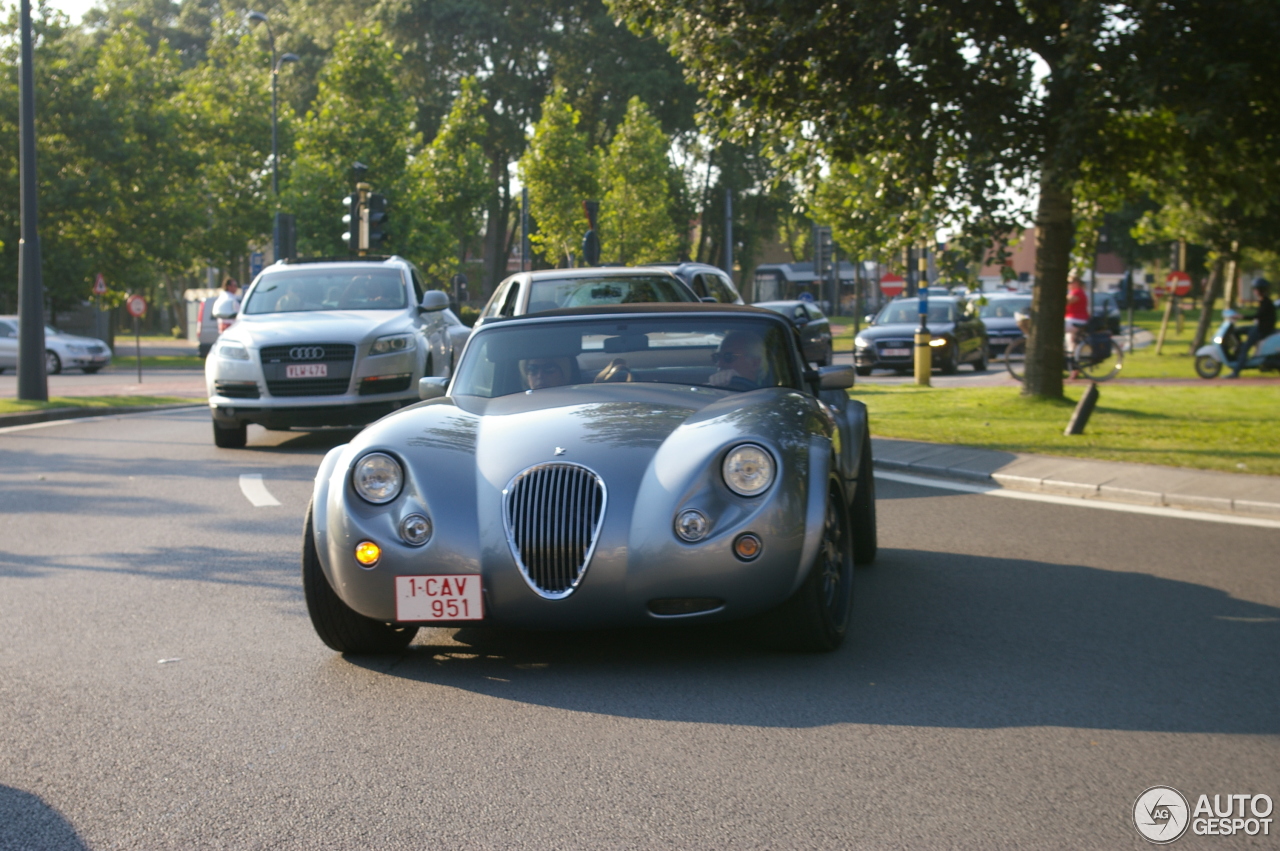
(378, 258)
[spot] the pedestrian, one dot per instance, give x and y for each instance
(227, 307)
(1263, 327)
(1077, 314)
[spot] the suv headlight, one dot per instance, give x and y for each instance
(861, 342)
(393, 343)
(232, 351)
(377, 478)
(748, 470)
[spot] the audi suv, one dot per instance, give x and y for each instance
(328, 344)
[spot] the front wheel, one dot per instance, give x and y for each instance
(864, 371)
(339, 626)
(1015, 358)
(862, 515)
(816, 618)
(980, 365)
(52, 363)
(952, 363)
(1207, 366)
(230, 437)
(1099, 359)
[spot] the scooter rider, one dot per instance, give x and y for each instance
(1264, 327)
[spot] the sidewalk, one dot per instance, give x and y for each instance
(1143, 484)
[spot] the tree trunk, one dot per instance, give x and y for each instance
(1206, 309)
(495, 233)
(1054, 233)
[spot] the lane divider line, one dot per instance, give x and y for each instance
(254, 490)
(1079, 502)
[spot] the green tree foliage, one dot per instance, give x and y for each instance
(450, 179)
(360, 115)
(559, 170)
(953, 107)
(636, 223)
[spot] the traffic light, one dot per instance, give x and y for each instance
(376, 211)
(351, 221)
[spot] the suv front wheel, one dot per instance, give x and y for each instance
(230, 437)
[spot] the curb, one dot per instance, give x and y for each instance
(51, 414)
(1059, 487)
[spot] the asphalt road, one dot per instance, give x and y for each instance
(1019, 672)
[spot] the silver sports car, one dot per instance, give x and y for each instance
(598, 467)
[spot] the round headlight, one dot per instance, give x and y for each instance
(377, 478)
(748, 470)
(692, 525)
(415, 529)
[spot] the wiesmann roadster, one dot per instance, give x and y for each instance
(601, 467)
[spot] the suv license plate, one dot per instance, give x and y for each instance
(439, 598)
(306, 370)
(895, 353)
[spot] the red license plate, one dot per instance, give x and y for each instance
(306, 370)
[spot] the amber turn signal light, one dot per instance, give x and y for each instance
(368, 553)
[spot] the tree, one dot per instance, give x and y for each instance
(559, 170)
(359, 115)
(450, 177)
(954, 105)
(636, 224)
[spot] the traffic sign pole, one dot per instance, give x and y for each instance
(137, 307)
(137, 343)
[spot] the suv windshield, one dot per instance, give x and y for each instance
(906, 312)
(550, 293)
(303, 290)
(732, 354)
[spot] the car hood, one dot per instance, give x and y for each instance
(903, 330)
(321, 326)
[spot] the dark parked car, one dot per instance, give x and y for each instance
(707, 281)
(959, 336)
(813, 325)
(598, 467)
(996, 310)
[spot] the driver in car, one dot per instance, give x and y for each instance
(741, 361)
(546, 372)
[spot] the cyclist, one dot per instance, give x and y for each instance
(1077, 316)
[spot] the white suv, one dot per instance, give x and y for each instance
(328, 344)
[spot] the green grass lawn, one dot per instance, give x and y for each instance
(127, 361)
(14, 406)
(1214, 426)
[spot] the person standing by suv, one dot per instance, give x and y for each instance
(227, 307)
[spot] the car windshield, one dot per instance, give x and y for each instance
(732, 354)
(1003, 308)
(304, 290)
(550, 293)
(906, 312)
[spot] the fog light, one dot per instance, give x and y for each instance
(368, 553)
(692, 525)
(747, 547)
(415, 529)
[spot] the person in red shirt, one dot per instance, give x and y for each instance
(1077, 309)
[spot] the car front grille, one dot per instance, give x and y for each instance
(553, 514)
(338, 359)
(881, 345)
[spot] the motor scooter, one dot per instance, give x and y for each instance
(1225, 348)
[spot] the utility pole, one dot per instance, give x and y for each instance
(33, 384)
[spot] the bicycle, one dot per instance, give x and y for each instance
(1098, 357)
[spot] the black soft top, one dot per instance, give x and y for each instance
(661, 308)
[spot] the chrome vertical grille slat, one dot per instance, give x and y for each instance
(553, 514)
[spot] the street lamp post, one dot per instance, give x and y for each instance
(276, 62)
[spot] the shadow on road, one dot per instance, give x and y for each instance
(26, 822)
(941, 640)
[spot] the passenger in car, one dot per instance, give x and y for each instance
(741, 360)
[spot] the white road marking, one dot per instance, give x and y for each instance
(1079, 502)
(255, 491)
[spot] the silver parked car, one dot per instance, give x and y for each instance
(614, 466)
(328, 344)
(61, 351)
(550, 289)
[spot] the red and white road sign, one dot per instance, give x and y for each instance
(136, 305)
(1178, 282)
(99, 285)
(892, 285)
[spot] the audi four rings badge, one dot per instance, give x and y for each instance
(306, 352)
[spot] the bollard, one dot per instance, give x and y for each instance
(1080, 416)
(924, 358)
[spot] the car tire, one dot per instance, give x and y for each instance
(862, 514)
(52, 363)
(340, 627)
(203, 349)
(864, 371)
(816, 617)
(230, 437)
(951, 365)
(980, 365)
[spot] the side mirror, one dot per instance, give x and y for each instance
(707, 299)
(433, 300)
(225, 315)
(838, 377)
(870, 319)
(431, 387)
